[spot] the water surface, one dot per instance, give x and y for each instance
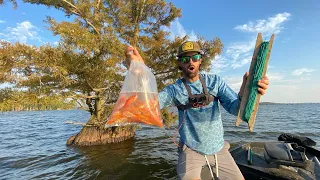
(33, 144)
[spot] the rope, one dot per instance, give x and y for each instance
(177, 130)
(257, 75)
(81, 123)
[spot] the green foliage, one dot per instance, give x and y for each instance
(89, 57)
(168, 117)
(25, 101)
(15, 5)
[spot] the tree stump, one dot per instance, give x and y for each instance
(92, 135)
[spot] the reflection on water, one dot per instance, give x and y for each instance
(33, 144)
(103, 161)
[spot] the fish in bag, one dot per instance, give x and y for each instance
(138, 100)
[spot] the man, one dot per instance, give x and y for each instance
(197, 96)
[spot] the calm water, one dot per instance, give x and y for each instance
(33, 144)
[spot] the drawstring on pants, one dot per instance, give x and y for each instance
(211, 172)
(216, 158)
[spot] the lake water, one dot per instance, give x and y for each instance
(33, 144)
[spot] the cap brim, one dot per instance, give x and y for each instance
(192, 50)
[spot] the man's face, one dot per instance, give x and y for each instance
(190, 68)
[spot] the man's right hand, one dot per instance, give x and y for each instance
(132, 54)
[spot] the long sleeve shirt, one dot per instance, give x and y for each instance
(201, 128)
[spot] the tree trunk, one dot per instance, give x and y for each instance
(95, 133)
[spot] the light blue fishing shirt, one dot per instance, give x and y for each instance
(201, 128)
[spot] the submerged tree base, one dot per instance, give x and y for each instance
(90, 136)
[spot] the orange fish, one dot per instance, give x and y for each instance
(130, 100)
(133, 110)
(155, 108)
(117, 117)
(128, 114)
(156, 121)
(142, 119)
(139, 104)
(120, 103)
(116, 114)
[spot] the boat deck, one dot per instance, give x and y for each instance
(262, 170)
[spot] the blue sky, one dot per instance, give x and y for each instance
(294, 67)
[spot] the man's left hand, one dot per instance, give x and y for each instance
(263, 85)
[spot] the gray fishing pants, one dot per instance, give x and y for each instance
(191, 163)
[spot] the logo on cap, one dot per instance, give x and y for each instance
(187, 46)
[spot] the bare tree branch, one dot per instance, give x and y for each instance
(77, 12)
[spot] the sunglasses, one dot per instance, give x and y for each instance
(186, 59)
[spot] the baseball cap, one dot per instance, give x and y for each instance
(189, 46)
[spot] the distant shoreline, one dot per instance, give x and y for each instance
(271, 103)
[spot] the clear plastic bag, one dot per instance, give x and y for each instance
(138, 99)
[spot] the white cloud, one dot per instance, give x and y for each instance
(266, 26)
(285, 88)
(192, 36)
(236, 55)
(270, 67)
(2, 21)
(285, 40)
(275, 77)
(21, 33)
(282, 93)
(302, 71)
(239, 54)
(292, 93)
(282, 78)
(177, 30)
(236, 49)
(218, 64)
(233, 82)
